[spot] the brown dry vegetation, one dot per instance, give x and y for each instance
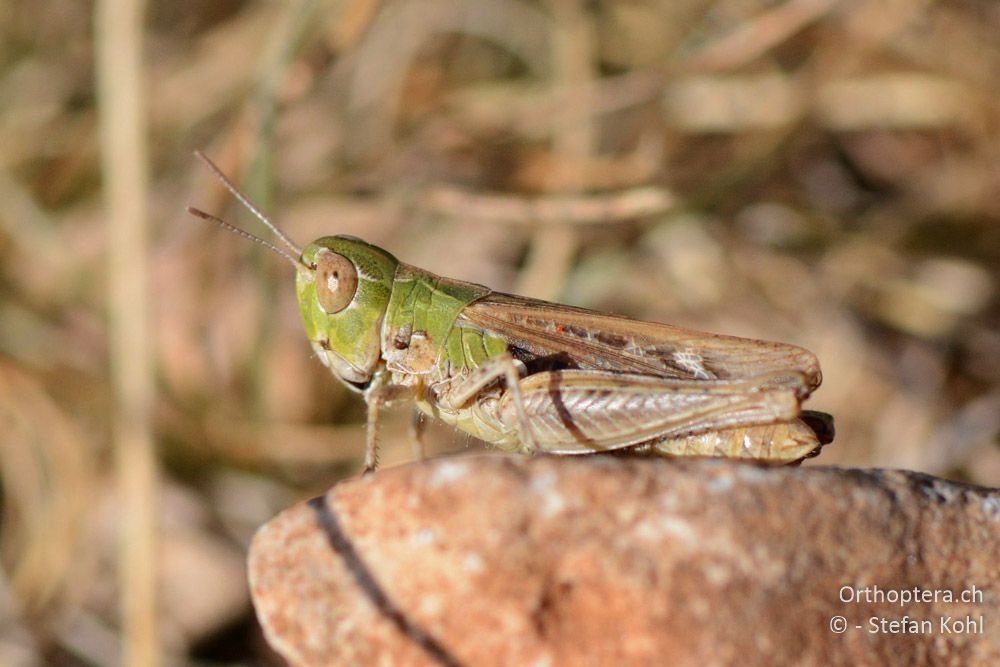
(819, 172)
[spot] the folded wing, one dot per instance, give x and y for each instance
(598, 341)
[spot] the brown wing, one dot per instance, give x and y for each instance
(590, 340)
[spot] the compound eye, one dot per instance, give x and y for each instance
(336, 281)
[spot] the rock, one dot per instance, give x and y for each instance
(600, 560)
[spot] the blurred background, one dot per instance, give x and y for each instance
(819, 172)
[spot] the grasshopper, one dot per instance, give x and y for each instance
(533, 376)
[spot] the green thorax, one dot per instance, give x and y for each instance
(420, 335)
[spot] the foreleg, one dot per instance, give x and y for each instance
(378, 394)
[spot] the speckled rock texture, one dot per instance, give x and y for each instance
(611, 561)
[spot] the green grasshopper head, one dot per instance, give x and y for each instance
(343, 289)
(343, 286)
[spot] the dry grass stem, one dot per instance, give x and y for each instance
(124, 160)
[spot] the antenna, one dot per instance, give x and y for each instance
(247, 235)
(242, 198)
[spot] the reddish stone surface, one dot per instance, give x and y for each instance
(557, 561)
